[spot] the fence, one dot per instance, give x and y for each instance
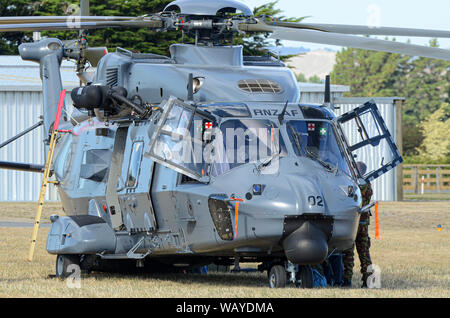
(435, 178)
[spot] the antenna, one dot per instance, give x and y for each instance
(190, 87)
(327, 99)
(281, 116)
(84, 11)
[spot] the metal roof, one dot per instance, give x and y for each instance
(19, 75)
(320, 88)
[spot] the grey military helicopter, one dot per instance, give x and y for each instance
(205, 156)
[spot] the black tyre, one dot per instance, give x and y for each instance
(305, 276)
(65, 265)
(277, 277)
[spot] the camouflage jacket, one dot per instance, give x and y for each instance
(366, 193)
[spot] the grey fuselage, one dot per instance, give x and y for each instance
(172, 215)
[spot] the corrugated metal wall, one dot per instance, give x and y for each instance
(311, 93)
(20, 108)
(317, 97)
(385, 186)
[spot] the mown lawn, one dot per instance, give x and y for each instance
(412, 254)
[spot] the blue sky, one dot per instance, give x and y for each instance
(423, 14)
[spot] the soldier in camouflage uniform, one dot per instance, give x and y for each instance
(362, 241)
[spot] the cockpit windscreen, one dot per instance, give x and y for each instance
(317, 140)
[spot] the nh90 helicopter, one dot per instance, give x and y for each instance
(205, 156)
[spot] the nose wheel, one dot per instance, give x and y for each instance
(301, 276)
(277, 277)
(305, 277)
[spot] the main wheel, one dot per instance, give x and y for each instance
(305, 276)
(277, 277)
(65, 265)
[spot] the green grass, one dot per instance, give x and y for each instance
(412, 254)
(427, 196)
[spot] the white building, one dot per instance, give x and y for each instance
(315, 93)
(20, 108)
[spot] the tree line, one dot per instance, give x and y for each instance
(424, 82)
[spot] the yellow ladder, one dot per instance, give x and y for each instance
(47, 170)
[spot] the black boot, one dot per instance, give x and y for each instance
(347, 283)
(364, 281)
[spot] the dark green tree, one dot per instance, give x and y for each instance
(425, 83)
(368, 73)
(9, 41)
(315, 79)
(301, 78)
(138, 40)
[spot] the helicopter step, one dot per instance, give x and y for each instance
(130, 254)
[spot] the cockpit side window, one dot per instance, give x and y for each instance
(182, 138)
(372, 149)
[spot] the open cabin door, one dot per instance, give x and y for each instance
(180, 139)
(368, 141)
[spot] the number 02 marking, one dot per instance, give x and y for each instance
(315, 200)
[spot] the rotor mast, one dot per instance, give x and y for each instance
(84, 8)
(84, 11)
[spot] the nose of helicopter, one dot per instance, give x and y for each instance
(307, 234)
(307, 245)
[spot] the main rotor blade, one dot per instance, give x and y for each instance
(364, 30)
(59, 19)
(76, 24)
(358, 42)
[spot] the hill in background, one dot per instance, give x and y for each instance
(313, 64)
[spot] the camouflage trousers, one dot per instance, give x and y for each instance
(362, 243)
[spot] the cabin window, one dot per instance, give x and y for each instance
(135, 164)
(95, 164)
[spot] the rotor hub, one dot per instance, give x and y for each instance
(208, 8)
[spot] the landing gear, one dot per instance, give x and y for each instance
(281, 274)
(277, 277)
(305, 278)
(67, 265)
